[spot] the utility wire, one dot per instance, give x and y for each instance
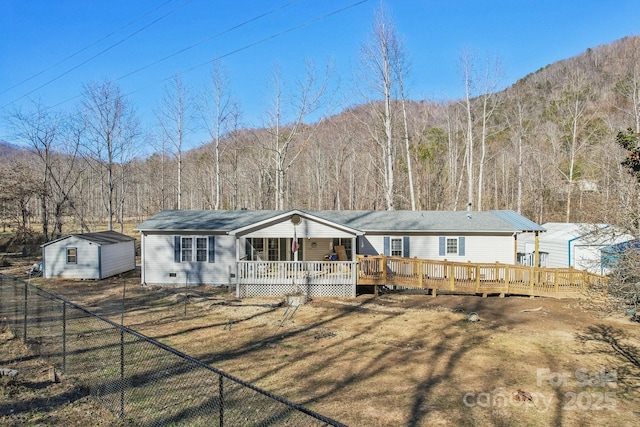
(266, 39)
(233, 52)
(83, 49)
(235, 27)
(100, 53)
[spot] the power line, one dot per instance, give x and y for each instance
(245, 47)
(83, 49)
(119, 42)
(230, 53)
(235, 27)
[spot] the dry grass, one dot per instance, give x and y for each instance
(32, 399)
(398, 360)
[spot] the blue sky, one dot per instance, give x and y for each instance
(50, 49)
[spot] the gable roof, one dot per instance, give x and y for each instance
(362, 221)
(100, 238)
(286, 215)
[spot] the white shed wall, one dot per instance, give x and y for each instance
(117, 258)
(55, 259)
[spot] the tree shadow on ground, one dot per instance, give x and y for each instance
(615, 344)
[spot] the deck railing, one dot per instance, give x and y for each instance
(475, 278)
(296, 272)
(311, 278)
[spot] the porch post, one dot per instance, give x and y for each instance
(355, 269)
(237, 266)
(536, 251)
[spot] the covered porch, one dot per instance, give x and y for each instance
(318, 258)
(310, 278)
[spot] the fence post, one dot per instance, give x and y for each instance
(220, 392)
(26, 291)
(122, 374)
(64, 337)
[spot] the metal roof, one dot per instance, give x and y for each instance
(365, 221)
(518, 221)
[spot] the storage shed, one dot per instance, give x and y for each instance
(575, 245)
(89, 255)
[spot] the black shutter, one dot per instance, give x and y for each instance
(176, 249)
(212, 249)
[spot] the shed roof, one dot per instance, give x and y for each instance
(100, 238)
(584, 233)
(365, 221)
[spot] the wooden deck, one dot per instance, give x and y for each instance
(456, 277)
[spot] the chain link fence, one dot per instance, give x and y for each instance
(142, 381)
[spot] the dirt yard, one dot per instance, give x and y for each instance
(401, 359)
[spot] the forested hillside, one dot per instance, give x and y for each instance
(545, 147)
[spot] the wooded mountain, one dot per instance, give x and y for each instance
(545, 147)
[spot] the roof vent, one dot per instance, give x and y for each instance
(469, 210)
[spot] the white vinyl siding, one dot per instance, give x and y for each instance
(117, 258)
(92, 261)
(158, 254)
(478, 248)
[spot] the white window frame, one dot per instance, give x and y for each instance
(272, 250)
(75, 255)
(396, 247)
(193, 252)
(449, 250)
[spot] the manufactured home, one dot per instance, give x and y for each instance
(269, 253)
(89, 256)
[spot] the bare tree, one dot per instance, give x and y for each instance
(518, 118)
(175, 116)
(381, 60)
(111, 127)
(401, 69)
(289, 138)
(39, 129)
(466, 65)
(489, 100)
(55, 140)
(218, 110)
(628, 86)
(19, 184)
(576, 116)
